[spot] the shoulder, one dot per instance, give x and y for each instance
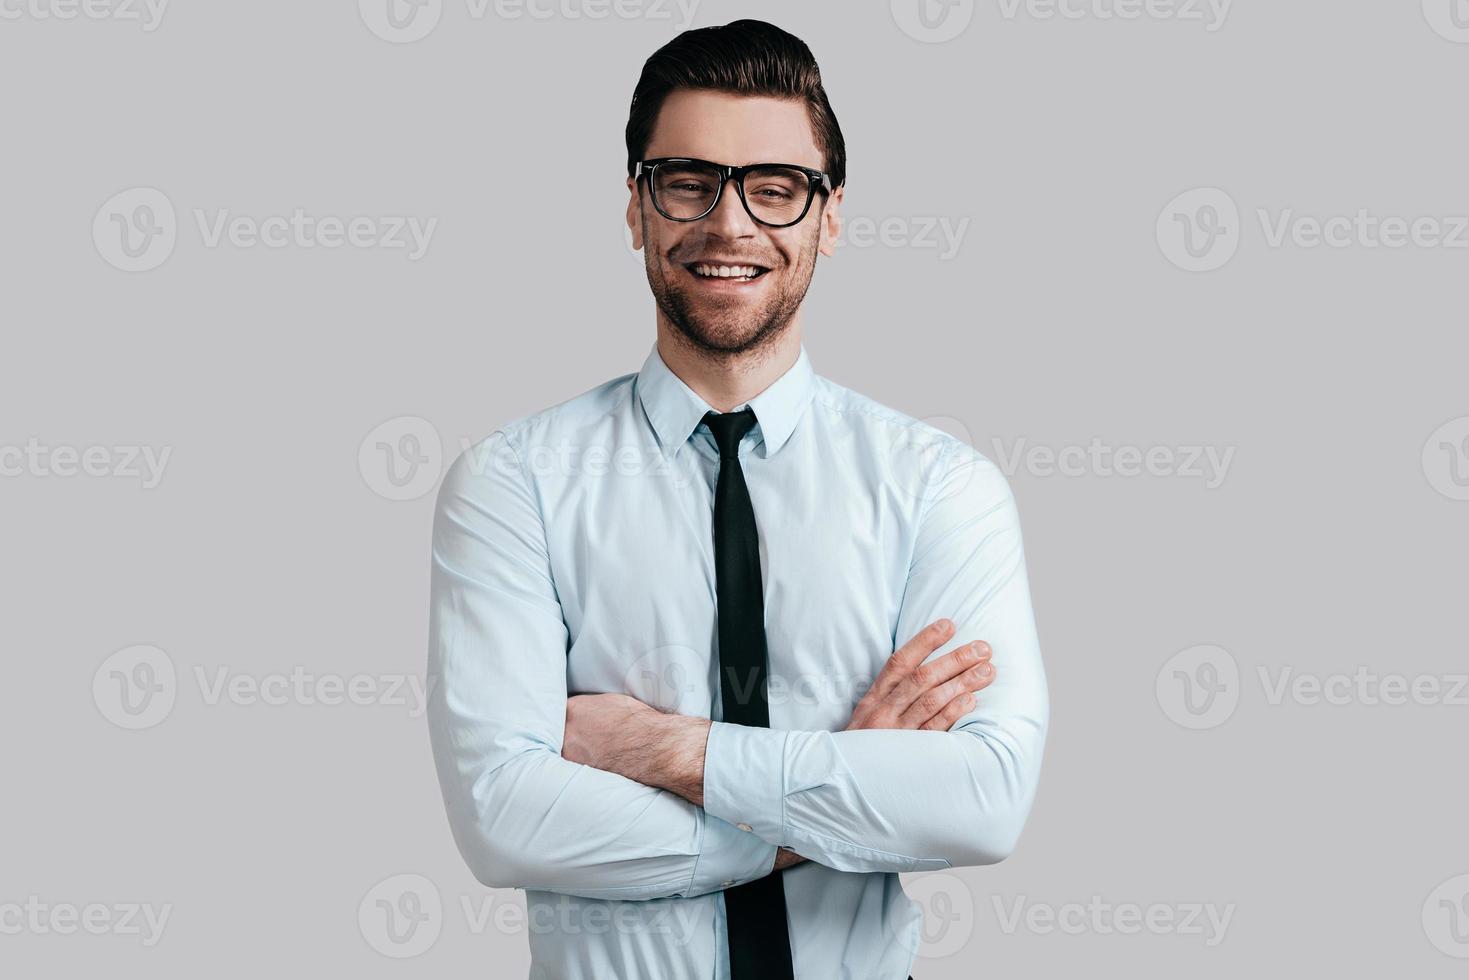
(940, 448)
(589, 409)
(502, 455)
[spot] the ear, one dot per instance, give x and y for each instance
(634, 215)
(831, 222)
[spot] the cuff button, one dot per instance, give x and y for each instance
(744, 826)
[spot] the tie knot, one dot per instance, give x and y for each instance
(728, 429)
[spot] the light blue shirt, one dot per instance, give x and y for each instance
(573, 553)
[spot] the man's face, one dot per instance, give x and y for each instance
(720, 315)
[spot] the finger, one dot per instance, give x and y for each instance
(953, 711)
(925, 677)
(933, 701)
(910, 655)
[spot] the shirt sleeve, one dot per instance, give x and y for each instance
(521, 814)
(904, 800)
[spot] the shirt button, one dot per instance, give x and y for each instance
(728, 883)
(744, 826)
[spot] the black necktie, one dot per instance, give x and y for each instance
(759, 943)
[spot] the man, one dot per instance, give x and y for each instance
(665, 698)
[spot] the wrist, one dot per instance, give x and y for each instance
(785, 857)
(677, 744)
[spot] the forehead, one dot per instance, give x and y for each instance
(734, 129)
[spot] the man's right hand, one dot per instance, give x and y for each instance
(911, 694)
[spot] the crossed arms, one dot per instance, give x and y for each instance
(865, 800)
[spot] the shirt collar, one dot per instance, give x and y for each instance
(675, 410)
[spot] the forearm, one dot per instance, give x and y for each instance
(868, 800)
(668, 753)
(877, 800)
(541, 822)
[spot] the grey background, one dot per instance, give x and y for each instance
(1333, 540)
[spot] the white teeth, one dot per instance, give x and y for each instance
(727, 271)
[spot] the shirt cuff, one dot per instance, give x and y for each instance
(728, 857)
(744, 775)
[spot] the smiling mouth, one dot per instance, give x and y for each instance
(727, 273)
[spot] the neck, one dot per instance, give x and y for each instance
(725, 381)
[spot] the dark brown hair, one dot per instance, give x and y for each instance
(743, 57)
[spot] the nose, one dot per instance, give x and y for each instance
(729, 219)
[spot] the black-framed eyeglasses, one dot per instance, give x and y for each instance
(774, 194)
